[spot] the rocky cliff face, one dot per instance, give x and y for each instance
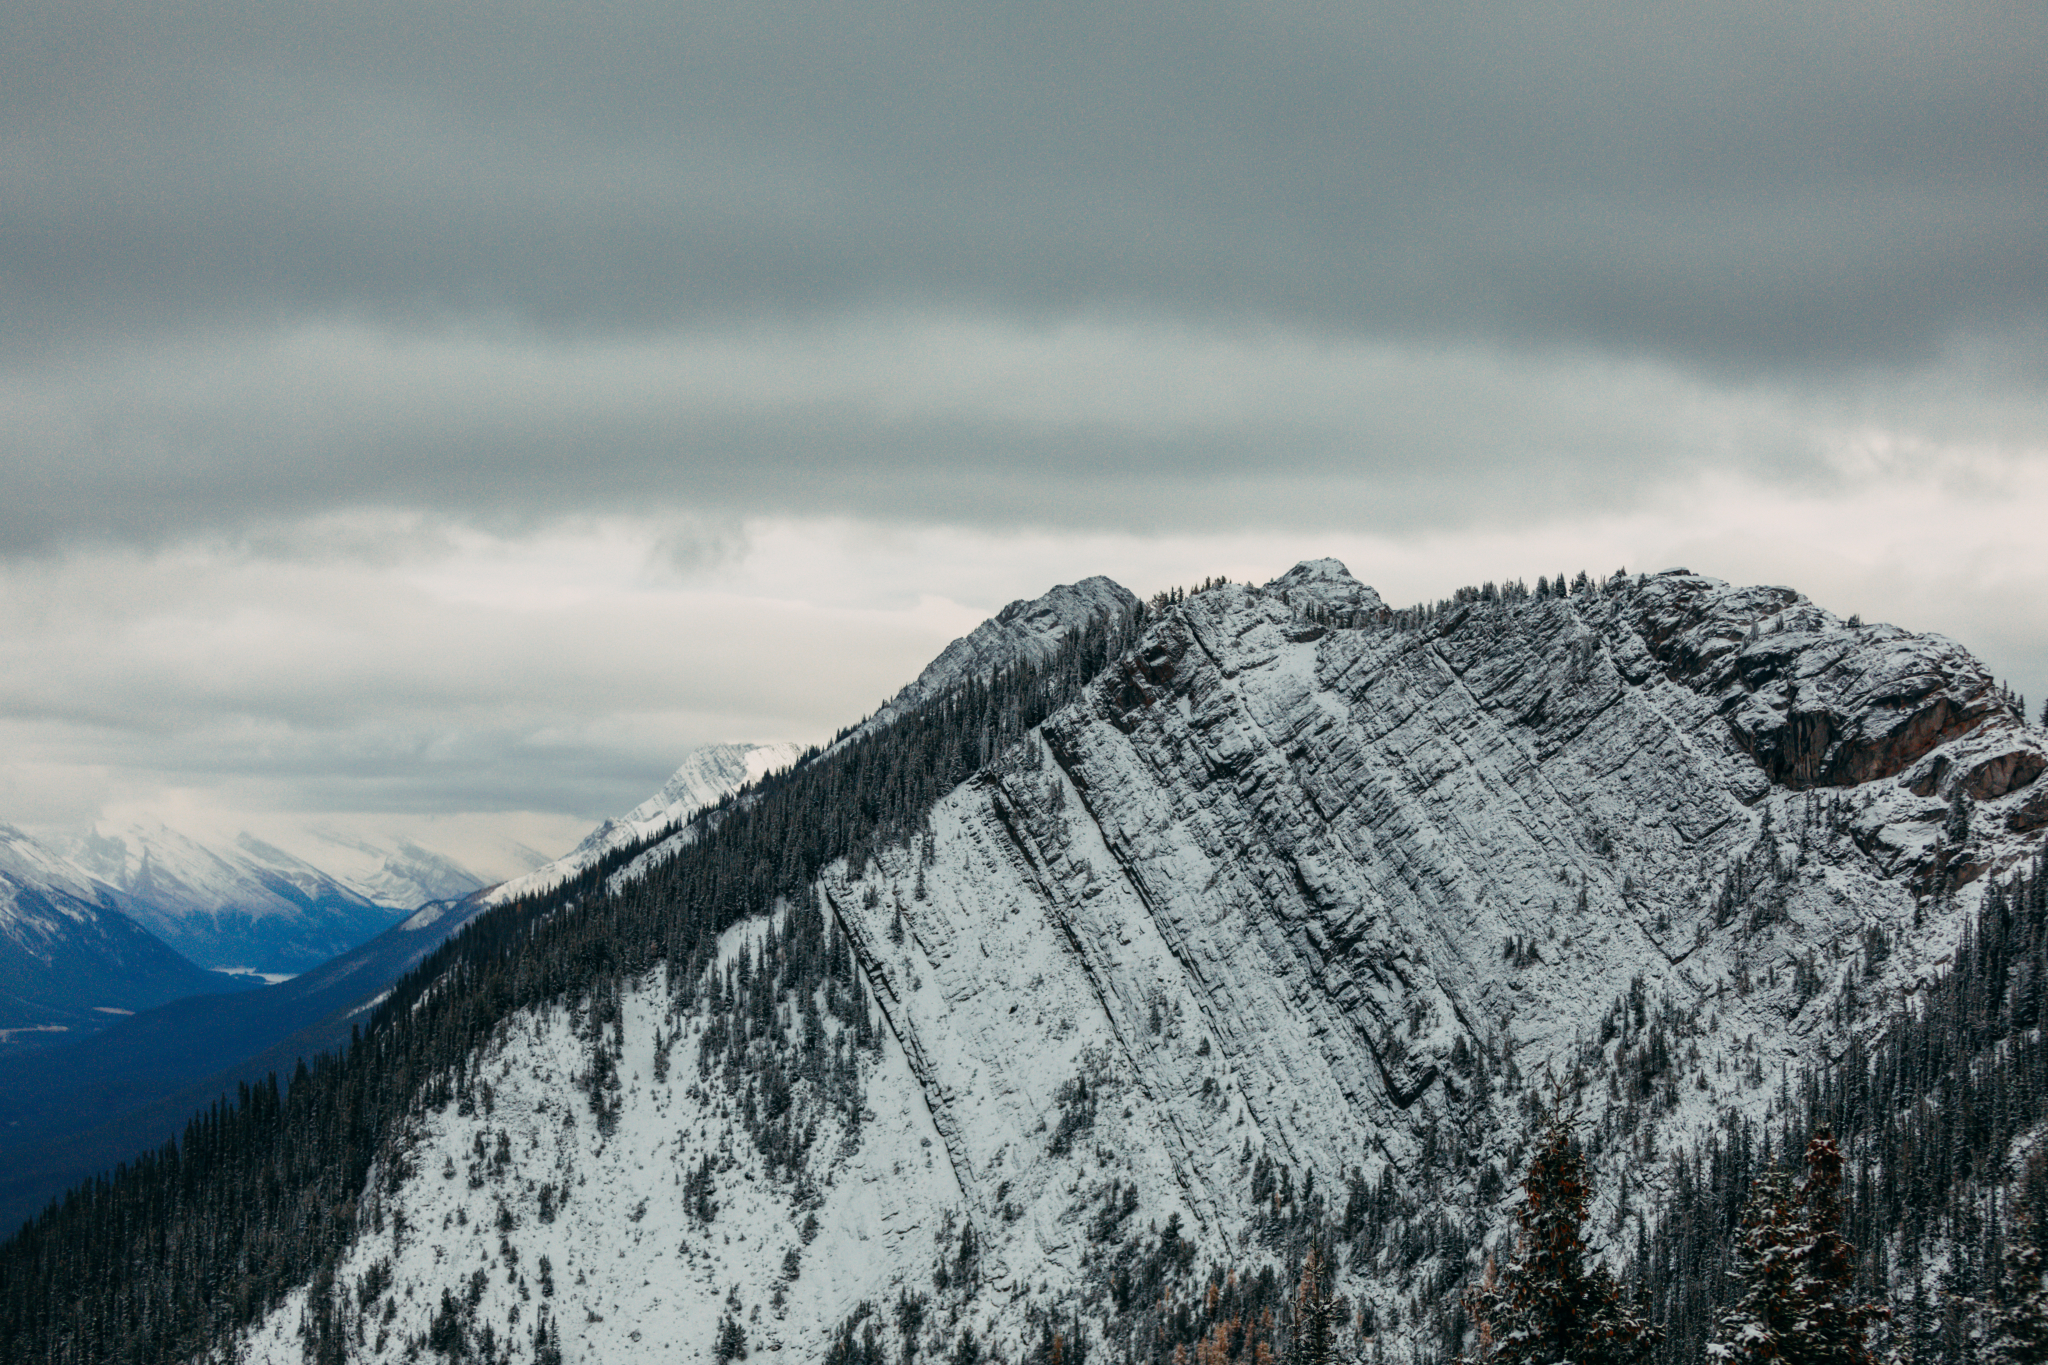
(1344, 901)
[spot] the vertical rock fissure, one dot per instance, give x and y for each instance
(882, 991)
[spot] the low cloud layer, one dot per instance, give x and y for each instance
(564, 673)
(439, 411)
(1088, 424)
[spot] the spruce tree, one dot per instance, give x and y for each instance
(1555, 1302)
(1798, 1304)
(1317, 1312)
(2017, 1333)
(731, 1342)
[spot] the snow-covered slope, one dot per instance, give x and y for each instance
(707, 775)
(1347, 901)
(112, 920)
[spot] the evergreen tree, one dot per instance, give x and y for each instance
(547, 1347)
(1555, 1303)
(2018, 1331)
(1798, 1304)
(732, 1341)
(1956, 828)
(1316, 1312)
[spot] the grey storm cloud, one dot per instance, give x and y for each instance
(1745, 184)
(382, 384)
(1790, 197)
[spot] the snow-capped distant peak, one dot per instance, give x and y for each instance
(706, 776)
(226, 900)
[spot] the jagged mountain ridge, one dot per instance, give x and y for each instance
(1285, 891)
(1026, 631)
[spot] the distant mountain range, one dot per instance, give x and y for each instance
(100, 923)
(247, 905)
(70, 961)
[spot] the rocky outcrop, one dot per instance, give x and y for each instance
(1327, 584)
(1815, 701)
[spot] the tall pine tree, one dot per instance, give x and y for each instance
(1556, 1302)
(1798, 1304)
(1317, 1312)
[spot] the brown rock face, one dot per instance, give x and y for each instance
(2030, 815)
(1815, 701)
(2003, 773)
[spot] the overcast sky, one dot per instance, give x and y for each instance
(445, 416)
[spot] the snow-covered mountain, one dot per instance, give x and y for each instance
(1026, 631)
(244, 904)
(706, 776)
(70, 961)
(102, 923)
(1274, 911)
(128, 1081)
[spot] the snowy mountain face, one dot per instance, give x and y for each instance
(396, 872)
(706, 777)
(67, 1112)
(248, 905)
(101, 924)
(69, 961)
(1276, 918)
